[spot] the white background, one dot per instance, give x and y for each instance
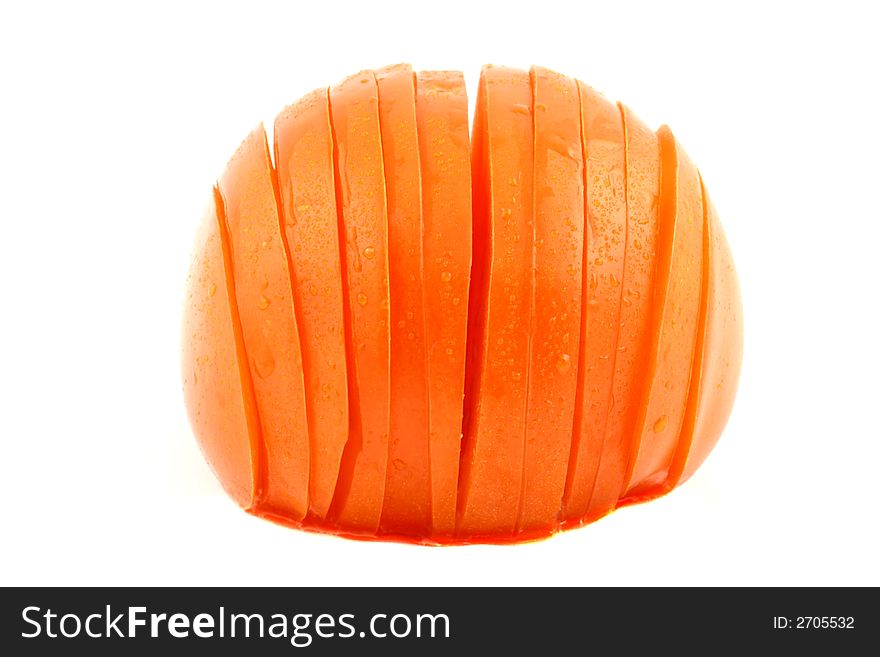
(114, 122)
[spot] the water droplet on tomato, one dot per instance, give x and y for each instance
(563, 363)
(661, 424)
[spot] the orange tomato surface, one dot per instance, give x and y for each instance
(405, 330)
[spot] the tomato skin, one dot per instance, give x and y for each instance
(481, 338)
(721, 353)
(217, 389)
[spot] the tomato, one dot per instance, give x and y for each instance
(403, 331)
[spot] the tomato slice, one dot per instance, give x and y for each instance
(674, 323)
(216, 381)
(498, 332)
(304, 157)
(718, 355)
(360, 187)
(268, 324)
(407, 505)
(603, 272)
(637, 286)
(558, 265)
(444, 148)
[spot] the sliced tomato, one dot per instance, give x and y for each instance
(558, 266)
(444, 149)
(500, 309)
(216, 381)
(407, 505)
(304, 157)
(603, 272)
(268, 324)
(674, 324)
(718, 354)
(360, 186)
(637, 287)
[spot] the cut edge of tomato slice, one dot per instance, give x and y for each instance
(250, 191)
(363, 516)
(447, 253)
(352, 442)
(407, 499)
(556, 299)
(603, 456)
(272, 165)
(722, 360)
(530, 343)
(588, 448)
(642, 170)
(666, 206)
(255, 433)
(488, 468)
(579, 393)
(291, 128)
(682, 450)
(680, 251)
